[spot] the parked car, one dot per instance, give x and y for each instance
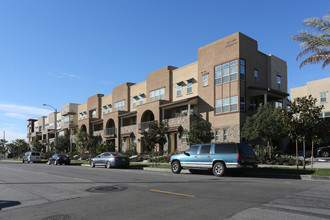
(217, 157)
(323, 151)
(59, 159)
(31, 157)
(109, 159)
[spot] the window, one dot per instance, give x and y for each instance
(141, 99)
(323, 97)
(178, 89)
(189, 87)
(109, 108)
(256, 75)
(205, 149)
(152, 96)
(120, 106)
(233, 73)
(233, 103)
(193, 149)
(157, 94)
(218, 106)
(80, 116)
(104, 109)
(217, 135)
(225, 149)
(205, 80)
(242, 69)
(278, 82)
(225, 75)
(92, 113)
(134, 102)
(184, 137)
(278, 104)
(225, 105)
(66, 120)
(242, 103)
(84, 115)
(225, 134)
(217, 77)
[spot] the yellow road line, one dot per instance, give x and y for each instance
(82, 179)
(43, 172)
(172, 193)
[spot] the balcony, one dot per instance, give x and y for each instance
(110, 132)
(98, 133)
(128, 128)
(144, 125)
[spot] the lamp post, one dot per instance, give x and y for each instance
(55, 125)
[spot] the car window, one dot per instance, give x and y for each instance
(193, 149)
(245, 149)
(106, 154)
(205, 149)
(33, 154)
(225, 149)
(37, 154)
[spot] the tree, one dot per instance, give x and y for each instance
(106, 147)
(317, 44)
(200, 132)
(63, 144)
(303, 121)
(18, 146)
(92, 143)
(155, 135)
(36, 145)
(267, 125)
(3, 148)
(81, 140)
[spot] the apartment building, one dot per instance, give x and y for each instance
(318, 89)
(227, 83)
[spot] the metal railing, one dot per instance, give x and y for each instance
(110, 132)
(144, 125)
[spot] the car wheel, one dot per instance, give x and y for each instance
(23, 161)
(108, 165)
(92, 163)
(219, 169)
(176, 167)
(325, 154)
(28, 161)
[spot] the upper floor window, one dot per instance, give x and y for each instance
(178, 89)
(120, 106)
(278, 80)
(242, 69)
(226, 72)
(93, 113)
(80, 116)
(256, 74)
(226, 105)
(242, 102)
(105, 109)
(141, 99)
(205, 80)
(66, 119)
(109, 108)
(157, 94)
(189, 87)
(323, 97)
(134, 102)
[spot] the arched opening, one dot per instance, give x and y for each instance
(147, 116)
(110, 128)
(83, 128)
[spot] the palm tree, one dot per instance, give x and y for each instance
(317, 44)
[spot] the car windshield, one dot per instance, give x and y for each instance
(62, 155)
(193, 149)
(118, 155)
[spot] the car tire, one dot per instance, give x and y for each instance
(28, 161)
(23, 161)
(325, 154)
(108, 165)
(92, 164)
(219, 169)
(176, 167)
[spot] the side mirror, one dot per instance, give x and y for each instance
(185, 153)
(99, 156)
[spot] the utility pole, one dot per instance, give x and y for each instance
(55, 128)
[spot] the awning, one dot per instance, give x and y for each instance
(123, 135)
(175, 128)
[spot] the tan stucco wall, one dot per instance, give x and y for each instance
(277, 67)
(183, 74)
(120, 93)
(107, 100)
(82, 108)
(298, 92)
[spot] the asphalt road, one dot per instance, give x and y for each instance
(40, 191)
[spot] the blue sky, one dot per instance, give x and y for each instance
(63, 51)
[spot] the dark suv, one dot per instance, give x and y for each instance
(216, 156)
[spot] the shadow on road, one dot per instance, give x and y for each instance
(6, 203)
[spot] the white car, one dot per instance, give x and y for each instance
(32, 157)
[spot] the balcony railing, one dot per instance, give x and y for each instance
(97, 133)
(110, 132)
(144, 125)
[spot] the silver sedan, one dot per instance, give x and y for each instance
(109, 159)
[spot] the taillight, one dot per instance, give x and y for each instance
(114, 158)
(238, 157)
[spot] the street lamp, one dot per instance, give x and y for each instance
(55, 124)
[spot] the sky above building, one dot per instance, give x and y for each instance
(63, 51)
